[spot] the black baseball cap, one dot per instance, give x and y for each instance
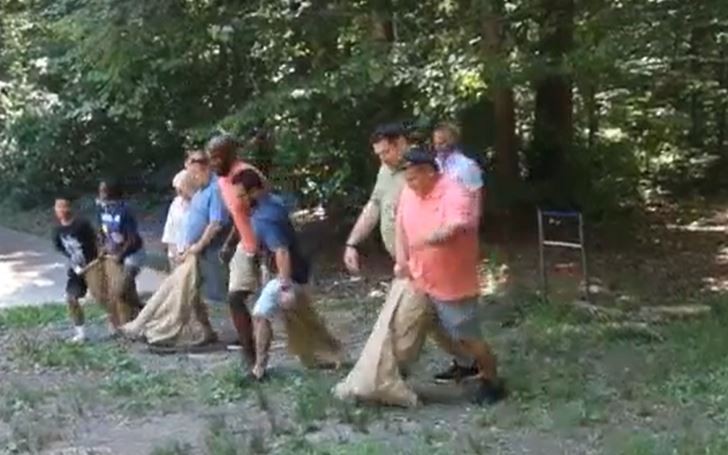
(419, 155)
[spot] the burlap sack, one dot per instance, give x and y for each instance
(395, 342)
(104, 277)
(175, 315)
(308, 337)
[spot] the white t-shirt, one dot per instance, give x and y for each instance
(173, 228)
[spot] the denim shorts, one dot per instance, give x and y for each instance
(459, 318)
(268, 304)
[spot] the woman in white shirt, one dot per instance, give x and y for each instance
(185, 186)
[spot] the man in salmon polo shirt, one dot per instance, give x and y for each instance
(437, 248)
(244, 269)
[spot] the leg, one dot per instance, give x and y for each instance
(263, 338)
(462, 366)
(203, 317)
(243, 282)
(243, 324)
(75, 289)
(266, 308)
(461, 322)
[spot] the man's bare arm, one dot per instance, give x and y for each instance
(365, 224)
(211, 230)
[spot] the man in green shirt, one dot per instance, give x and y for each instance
(389, 143)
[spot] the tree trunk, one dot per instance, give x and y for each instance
(553, 126)
(506, 158)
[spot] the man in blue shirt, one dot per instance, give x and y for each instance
(203, 226)
(277, 238)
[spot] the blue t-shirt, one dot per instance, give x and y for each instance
(118, 224)
(273, 228)
(206, 206)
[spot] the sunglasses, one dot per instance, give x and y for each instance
(199, 161)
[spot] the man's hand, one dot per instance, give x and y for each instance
(288, 297)
(226, 255)
(351, 260)
(402, 271)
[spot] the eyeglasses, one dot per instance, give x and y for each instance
(199, 161)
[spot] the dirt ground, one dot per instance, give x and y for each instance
(613, 378)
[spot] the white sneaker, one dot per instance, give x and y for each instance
(80, 336)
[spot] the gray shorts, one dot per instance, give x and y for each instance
(459, 318)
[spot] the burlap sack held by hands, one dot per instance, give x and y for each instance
(175, 315)
(394, 344)
(105, 277)
(308, 337)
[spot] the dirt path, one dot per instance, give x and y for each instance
(32, 273)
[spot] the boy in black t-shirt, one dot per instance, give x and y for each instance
(75, 238)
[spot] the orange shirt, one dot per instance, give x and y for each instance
(447, 271)
(238, 211)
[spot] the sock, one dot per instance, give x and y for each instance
(80, 331)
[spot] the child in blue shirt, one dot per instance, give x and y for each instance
(120, 238)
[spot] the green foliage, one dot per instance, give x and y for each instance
(102, 86)
(38, 316)
(59, 354)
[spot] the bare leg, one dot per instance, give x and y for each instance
(484, 358)
(263, 338)
(75, 311)
(491, 388)
(243, 324)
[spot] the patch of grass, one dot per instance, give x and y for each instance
(34, 431)
(145, 390)
(225, 385)
(58, 354)
(173, 448)
(221, 440)
(312, 400)
(25, 317)
(17, 398)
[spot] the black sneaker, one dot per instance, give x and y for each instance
(490, 392)
(456, 373)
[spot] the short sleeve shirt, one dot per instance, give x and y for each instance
(385, 196)
(118, 224)
(237, 209)
(448, 271)
(273, 228)
(459, 167)
(205, 207)
(174, 226)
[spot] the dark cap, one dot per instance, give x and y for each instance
(419, 155)
(389, 131)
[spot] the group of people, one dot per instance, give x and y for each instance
(427, 202)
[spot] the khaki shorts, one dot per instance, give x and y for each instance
(244, 272)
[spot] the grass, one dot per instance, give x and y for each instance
(17, 398)
(138, 392)
(26, 317)
(105, 357)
